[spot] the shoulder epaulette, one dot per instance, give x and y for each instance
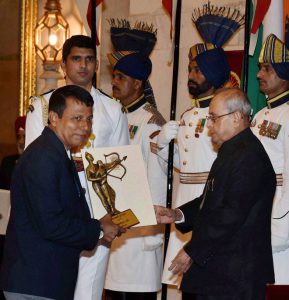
(156, 117)
(30, 108)
(186, 111)
(50, 91)
(102, 92)
(44, 106)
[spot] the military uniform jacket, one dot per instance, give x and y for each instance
(231, 221)
(271, 126)
(135, 262)
(194, 156)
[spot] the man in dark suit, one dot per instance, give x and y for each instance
(50, 222)
(229, 256)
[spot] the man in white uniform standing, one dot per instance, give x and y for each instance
(194, 153)
(271, 126)
(109, 129)
(135, 263)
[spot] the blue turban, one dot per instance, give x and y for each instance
(274, 52)
(135, 65)
(214, 65)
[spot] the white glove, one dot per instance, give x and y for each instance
(168, 132)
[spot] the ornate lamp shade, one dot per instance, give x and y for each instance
(51, 32)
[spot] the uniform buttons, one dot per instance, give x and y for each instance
(267, 113)
(184, 162)
(259, 126)
(195, 112)
(186, 150)
(187, 136)
(190, 124)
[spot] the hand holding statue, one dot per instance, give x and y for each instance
(110, 230)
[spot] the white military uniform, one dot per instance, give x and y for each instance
(271, 126)
(109, 129)
(194, 156)
(135, 263)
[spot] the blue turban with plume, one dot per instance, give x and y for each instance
(141, 38)
(274, 52)
(216, 25)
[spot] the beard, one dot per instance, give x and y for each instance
(196, 89)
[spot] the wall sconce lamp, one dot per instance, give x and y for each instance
(50, 33)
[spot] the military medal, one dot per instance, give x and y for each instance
(263, 128)
(270, 129)
(132, 131)
(275, 130)
(200, 127)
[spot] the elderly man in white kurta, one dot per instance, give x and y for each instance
(109, 129)
(271, 126)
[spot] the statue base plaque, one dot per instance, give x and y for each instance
(125, 219)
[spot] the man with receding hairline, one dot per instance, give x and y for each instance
(109, 129)
(50, 222)
(231, 239)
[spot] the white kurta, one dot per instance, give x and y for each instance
(194, 154)
(109, 129)
(135, 263)
(278, 151)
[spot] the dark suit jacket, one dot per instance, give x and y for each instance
(6, 169)
(49, 224)
(231, 241)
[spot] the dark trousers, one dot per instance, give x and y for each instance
(113, 295)
(257, 292)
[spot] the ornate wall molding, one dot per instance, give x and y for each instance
(27, 53)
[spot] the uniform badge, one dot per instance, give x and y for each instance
(270, 129)
(132, 131)
(200, 127)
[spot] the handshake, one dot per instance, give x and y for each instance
(166, 215)
(110, 230)
(169, 132)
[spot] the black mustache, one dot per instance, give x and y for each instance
(192, 82)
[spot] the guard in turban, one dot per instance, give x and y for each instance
(135, 263)
(271, 126)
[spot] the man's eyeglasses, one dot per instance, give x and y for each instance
(215, 118)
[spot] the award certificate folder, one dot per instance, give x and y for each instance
(117, 184)
(4, 210)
